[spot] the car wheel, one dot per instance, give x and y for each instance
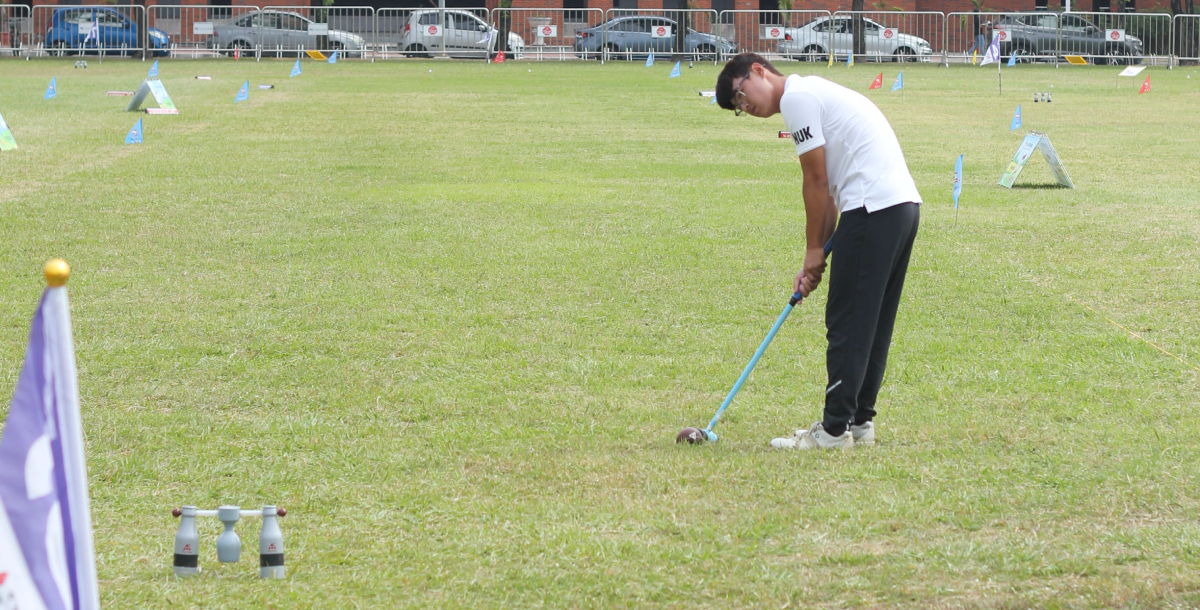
(59, 48)
(613, 50)
(337, 47)
(415, 50)
(1116, 55)
(1024, 55)
(813, 53)
(905, 54)
(704, 52)
(238, 44)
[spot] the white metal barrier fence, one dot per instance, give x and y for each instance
(1101, 38)
(1186, 37)
(462, 33)
(292, 30)
(550, 34)
(90, 29)
(887, 35)
(16, 29)
(559, 34)
(206, 31)
(636, 33)
(798, 35)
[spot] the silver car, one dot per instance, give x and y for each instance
(814, 40)
(281, 30)
(462, 32)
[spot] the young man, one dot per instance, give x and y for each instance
(852, 164)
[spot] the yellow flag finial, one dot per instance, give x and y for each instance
(57, 271)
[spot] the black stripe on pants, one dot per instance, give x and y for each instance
(866, 276)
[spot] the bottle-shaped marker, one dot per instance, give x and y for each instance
(187, 544)
(270, 545)
(229, 546)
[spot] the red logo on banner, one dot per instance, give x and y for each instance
(433, 30)
(887, 33)
(500, 57)
(1145, 86)
(1115, 35)
(546, 31)
(774, 32)
(1003, 35)
(878, 81)
(662, 31)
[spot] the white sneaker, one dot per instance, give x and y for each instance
(815, 438)
(864, 435)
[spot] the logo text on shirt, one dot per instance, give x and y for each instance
(801, 135)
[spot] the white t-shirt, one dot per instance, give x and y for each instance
(862, 156)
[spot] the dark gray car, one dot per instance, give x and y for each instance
(1059, 34)
(635, 37)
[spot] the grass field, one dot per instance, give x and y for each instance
(452, 316)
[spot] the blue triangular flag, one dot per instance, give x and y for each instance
(46, 526)
(1016, 122)
(135, 134)
(153, 70)
(650, 60)
(850, 59)
(333, 58)
(899, 84)
(296, 69)
(675, 70)
(243, 94)
(714, 100)
(957, 180)
(52, 90)
(1012, 60)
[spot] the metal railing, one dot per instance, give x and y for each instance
(887, 35)
(550, 34)
(205, 31)
(284, 31)
(796, 35)
(635, 33)
(461, 33)
(1186, 38)
(1101, 38)
(560, 34)
(16, 29)
(89, 29)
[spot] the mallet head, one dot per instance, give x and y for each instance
(691, 436)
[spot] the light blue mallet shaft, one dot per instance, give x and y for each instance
(710, 436)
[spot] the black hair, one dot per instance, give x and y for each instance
(738, 67)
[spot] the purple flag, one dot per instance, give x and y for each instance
(46, 554)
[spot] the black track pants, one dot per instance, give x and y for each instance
(866, 276)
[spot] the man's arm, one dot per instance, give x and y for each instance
(821, 219)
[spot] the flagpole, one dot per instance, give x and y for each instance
(61, 351)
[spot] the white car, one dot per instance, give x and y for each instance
(813, 41)
(463, 33)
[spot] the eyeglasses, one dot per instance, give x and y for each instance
(739, 98)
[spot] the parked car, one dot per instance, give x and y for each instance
(280, 29)
(813, 41)
(463, 33)
(1055, 34)
(632, 36)
(117, 33)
